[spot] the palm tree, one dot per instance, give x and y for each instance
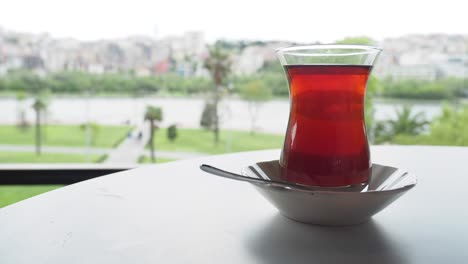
(218, 64)
(407, 123)
(152, 115)
(39, 106)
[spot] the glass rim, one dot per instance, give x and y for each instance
(301, 50)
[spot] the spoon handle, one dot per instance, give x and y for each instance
(230, 175)
(238, 177)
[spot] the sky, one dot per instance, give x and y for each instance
(292, 20)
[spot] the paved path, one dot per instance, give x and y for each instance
(131, 148)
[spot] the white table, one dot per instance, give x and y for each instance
(174, 213)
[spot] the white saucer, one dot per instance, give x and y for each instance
(332, 206)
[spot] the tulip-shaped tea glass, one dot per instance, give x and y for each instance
(326, 142)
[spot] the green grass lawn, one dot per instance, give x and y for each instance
(198, 140)
(63, 135)
(30, 157)
(10, 194)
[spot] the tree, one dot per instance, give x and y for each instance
(39, 106)
(255, 93)
(207, 117)
(153, 115)
(218, 64)
(447, 129)
(26, 81)
(172, 133)
(451, 127)
(406, 123)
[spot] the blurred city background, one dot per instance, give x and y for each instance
(80, 86)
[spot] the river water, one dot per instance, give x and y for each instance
(185, 112)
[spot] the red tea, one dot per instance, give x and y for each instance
(326, 142)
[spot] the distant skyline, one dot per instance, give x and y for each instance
(292, 20)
